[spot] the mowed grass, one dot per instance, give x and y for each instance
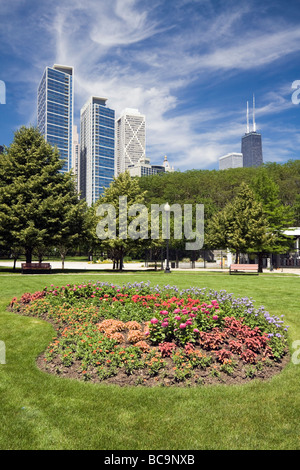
(40, 411)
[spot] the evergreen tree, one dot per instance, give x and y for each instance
(279, 216)
(89, 241)
(241, 226)
(35, 197)
(72, 228)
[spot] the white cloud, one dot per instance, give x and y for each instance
(261, 49)
(125, 51)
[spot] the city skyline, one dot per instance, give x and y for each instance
(188, 66)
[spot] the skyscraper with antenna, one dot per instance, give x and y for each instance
(251, 142)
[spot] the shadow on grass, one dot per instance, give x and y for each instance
(10, 270)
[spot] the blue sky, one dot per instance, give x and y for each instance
(189, 65)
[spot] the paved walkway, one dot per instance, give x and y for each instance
(84, 266)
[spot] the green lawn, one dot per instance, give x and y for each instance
(40, 411)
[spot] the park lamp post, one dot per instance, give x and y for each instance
(167, 210)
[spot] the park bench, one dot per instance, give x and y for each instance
(242, 268)
(36, 268)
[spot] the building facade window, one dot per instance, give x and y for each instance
(97, 148)
(55, 110)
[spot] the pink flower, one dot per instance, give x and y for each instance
(177, 317)
(164, 323)
(188, 322)
(182, 325)
(177, 310)
(153, 321)
(164, 312)
(195, 330)
(215, 317)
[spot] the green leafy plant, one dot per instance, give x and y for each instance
(133, 327)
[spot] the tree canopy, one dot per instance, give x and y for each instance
(245, 209)
(118, 233)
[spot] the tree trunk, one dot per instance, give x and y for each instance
(260, 262)
(121, 259)
(28, 255)
(63, 252)
(237, 257)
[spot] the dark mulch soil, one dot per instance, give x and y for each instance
(210, 375)
(141, 377)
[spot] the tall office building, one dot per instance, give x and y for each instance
(97, 148)
(231, 160)
(55, 110)
(251, 144)
(130, 139)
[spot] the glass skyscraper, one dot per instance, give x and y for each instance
(251, 147)
(97, 148)
(55, 110)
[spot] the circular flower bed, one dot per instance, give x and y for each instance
(141, 335)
